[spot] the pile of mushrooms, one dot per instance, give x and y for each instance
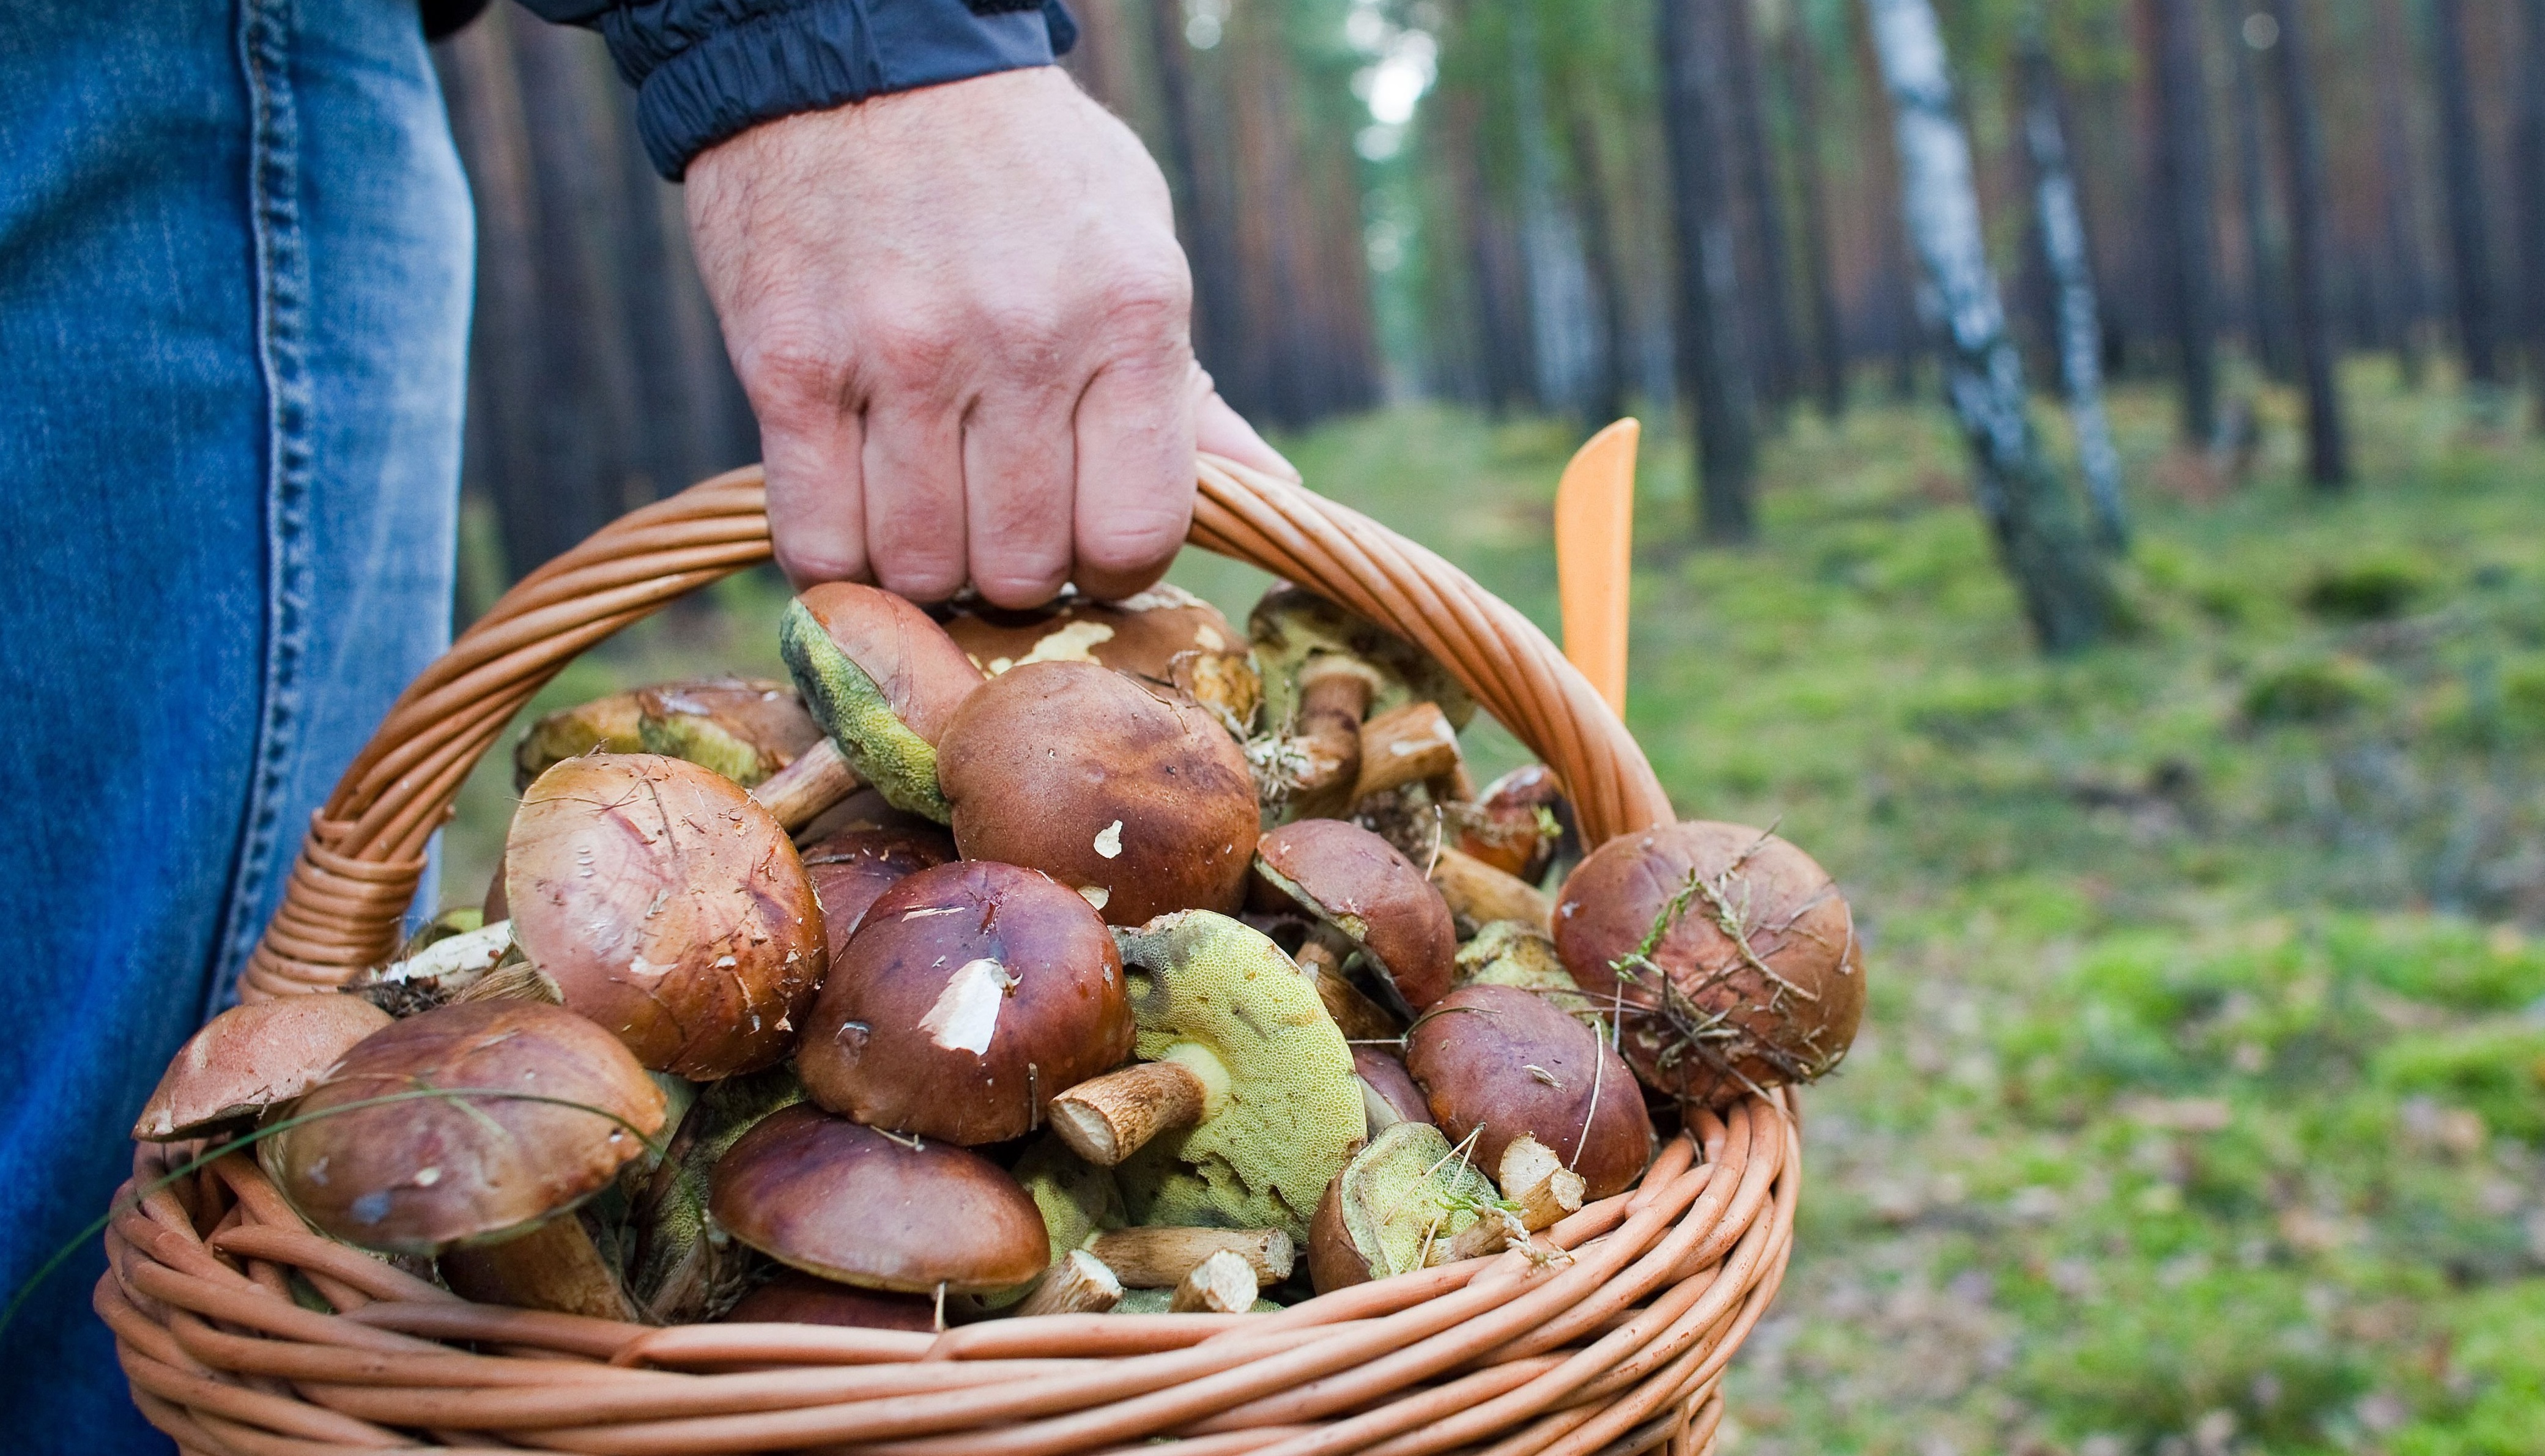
(1094, 958)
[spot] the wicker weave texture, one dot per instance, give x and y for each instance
(1614, 1345)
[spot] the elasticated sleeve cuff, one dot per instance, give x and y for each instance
(706, 69)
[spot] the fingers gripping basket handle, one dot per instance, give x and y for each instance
(365, 854)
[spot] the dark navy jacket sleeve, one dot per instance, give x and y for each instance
(706, 69)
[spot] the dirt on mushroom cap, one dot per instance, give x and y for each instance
(1728, 954)
(1292, 1113)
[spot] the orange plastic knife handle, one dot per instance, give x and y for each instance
(1594, 540)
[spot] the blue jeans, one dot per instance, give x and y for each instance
(234, 275)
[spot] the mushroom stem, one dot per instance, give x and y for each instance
(1334, 694)
(1358, 1017)
(1533, 1177)
(1403, 746)
(1079, 1284)
(1160, 1259)
(1223, 1284)
(1106, 1119)
(1480, 893)
(1491, 1234)
(554, 1267)
(797, 795)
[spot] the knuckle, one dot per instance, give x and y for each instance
(915, 352)
(1149, 299)
(1027, 337)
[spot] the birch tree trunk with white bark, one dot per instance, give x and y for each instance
(2066, 591)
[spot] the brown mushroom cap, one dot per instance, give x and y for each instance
(1776, 1002)
(824, 1195)
(923, 675)
(251, 1056)
(1358, 883)
(421, 1174)
(797, 1298)
(668, 907)
(1132, 795)
(1507, 826)
(1141, 635)
(850, 869)
(1384, 1077)
(613, 724)
(744, 728)
(973, 993)
(1505, 1061)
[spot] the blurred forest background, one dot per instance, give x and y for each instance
(2201, 1106)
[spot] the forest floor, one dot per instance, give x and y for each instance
(2200, 1106)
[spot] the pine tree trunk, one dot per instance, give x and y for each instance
(2266, 309)
(2461, 164)
(2531, 192)
(504, 397)
(2072, 273)
(1496, 309)
(2064, 590)
(2409, 289)
(1803, 92)
(1712, 362)
(1551, 240)
(2181, 213)
(1773, 353)
(2327, 454)
(1201, 201)
(1612, 366)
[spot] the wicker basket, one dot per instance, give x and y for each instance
(1616, 1345)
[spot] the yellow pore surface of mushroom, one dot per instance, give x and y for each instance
(882, 679)
(1222, 998)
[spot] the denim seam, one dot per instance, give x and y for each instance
(267, 30)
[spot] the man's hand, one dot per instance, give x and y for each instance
(962, 318)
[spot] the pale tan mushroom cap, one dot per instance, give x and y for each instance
(251, 1056)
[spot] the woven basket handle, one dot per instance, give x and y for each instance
(359, 868)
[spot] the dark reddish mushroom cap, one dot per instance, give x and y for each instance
(822, 1194)
(1131, 794)
(973, 993)
(1776, 1002)
(797, 1298)
(1357, 882)
(666, 905)
(1383, 1076)
(419, 1174)
(850, 867)
(1498, 1062)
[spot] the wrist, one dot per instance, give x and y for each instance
(784, 60)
